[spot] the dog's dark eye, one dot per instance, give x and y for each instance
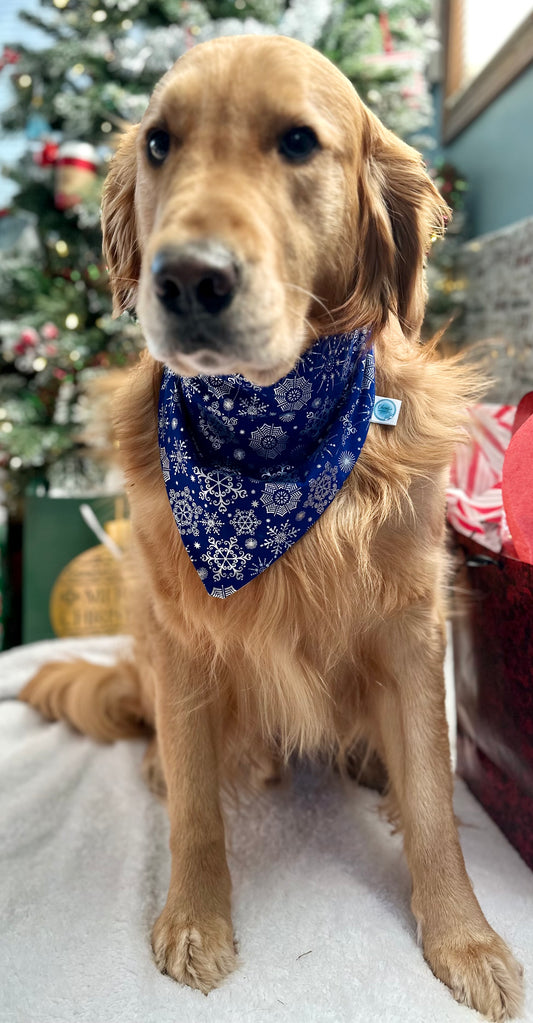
(157, 146)
(298, 144)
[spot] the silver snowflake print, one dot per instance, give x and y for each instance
(318, 420)
(322, 489)
(191, 385)
(293, 393)
(210, 434)
(245, 522)
(165, 465)
(269, 440)
(252, 406)
(347, 426)
(223, 591)
(179, 456)
(220, 487)
(225, 558)
(219, 386)
(164, 420)
(211, 523)
(279, 538)
(185, 510)
(347, 461)
(280, 498)
(250, 543)
(260, 564)
(368, 374)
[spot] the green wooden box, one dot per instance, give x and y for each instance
(54, 535)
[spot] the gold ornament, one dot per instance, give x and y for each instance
(88, 595)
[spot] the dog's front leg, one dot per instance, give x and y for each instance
(193, 938)
(459, 945)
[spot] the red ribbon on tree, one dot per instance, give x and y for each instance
(385, 32)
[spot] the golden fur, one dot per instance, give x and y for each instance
(342, 639)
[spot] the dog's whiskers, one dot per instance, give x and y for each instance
(310, 295)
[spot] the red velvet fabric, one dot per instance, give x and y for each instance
(493, 654)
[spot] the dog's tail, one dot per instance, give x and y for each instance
(103, 702)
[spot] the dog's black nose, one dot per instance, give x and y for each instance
(199, 277)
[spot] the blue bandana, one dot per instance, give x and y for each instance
(249, 469)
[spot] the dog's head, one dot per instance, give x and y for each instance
(259, 204)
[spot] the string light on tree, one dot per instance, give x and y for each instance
(72, 321)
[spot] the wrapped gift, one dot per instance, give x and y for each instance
(73, 575)
(490, 504)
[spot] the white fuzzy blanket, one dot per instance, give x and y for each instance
(321, 890)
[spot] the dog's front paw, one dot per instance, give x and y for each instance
(199, 953)
(481, 973)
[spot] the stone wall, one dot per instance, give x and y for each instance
(499, 305)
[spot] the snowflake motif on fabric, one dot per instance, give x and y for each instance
(179, 456)
(280, 538)
(253, 406)
(269, 440)
(349, 429)
(212, 523)
(249, 469)
(185, 510)
(165, 465)
(280, 498)
(347, 461)
(210, 434)
(292, 395)
(317, 421)
(245, 522)
(322, 490)
(370, 369)
(219, 487)
(225, 558)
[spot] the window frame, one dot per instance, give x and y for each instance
(461, 106)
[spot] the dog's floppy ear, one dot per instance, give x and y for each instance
(400, 213)
(120, 241)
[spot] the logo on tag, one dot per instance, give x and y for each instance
(386, 411)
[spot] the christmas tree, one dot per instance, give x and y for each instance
(71, 100)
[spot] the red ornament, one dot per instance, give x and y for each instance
(60, 374)
(9, 56)
(76, 168)
(49, 331)
(48, 155)
(29, 338)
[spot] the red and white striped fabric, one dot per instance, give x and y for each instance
(474, 494)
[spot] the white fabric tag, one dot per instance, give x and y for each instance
(386, 411)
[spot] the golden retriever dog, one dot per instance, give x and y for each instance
(260, 206)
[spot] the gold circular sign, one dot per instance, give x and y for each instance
(88, 596)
